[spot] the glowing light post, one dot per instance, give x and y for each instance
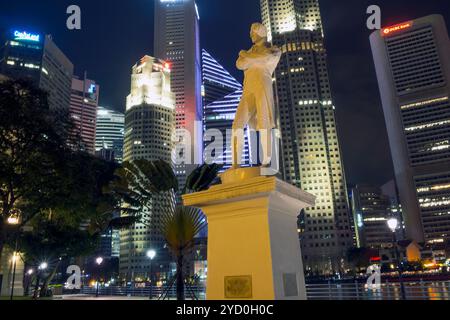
(42, 267)
(393, 224)
(151, 254)
(98, 261)
(13, 220)
(29, 278)
(14, 262)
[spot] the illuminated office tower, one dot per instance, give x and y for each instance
(221, 94)
(412, 61)
(177, 41)
(281, 16)
(217, 82)
(371, 211)
(219, 116)
(83, 112)
(109, 133)
(149, 125)
(34, 56)
(311, 155)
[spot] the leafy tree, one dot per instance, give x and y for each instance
(72, 223)
(50, 184)
(51, 241)
(32, 142)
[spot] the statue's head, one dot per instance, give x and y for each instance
(258, 32)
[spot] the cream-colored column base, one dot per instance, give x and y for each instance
(253, 245)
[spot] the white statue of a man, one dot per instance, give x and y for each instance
(257, 102)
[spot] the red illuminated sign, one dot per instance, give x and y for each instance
(399, 27)
(375, 259)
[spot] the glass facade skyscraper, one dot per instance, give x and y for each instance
(177, 41)
(34, 56)
(412, 61)
(149, 126)
(221, 94)
(371, 211)
(311, 154)
(219, 117)
(83, 112)
(109, 132)
(217, 81)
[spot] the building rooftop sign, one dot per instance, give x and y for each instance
(389, 30)
(25, 36)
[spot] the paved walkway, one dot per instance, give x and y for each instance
(88, 297)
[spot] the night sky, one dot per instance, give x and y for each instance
(117, 33)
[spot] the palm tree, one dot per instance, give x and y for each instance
(134, 190)
(179, 230)
(180, 225)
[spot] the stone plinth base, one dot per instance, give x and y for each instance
(253, 245)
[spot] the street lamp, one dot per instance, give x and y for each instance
(41, 268)
(151, 254)
(14, 263)
(98, 261)
(393, 224)
(14, 220)
(29, 278)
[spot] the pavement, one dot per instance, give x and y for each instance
(100, 298)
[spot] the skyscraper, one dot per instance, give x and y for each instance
(109, 244)
(288, 15)
(149, 125)
(371, 211)
(83, 112)
(177, 41)
(109, 132)
(412, 61)
(219, 116)
(311, 155)
(221, 94)
(217, 81)
(34, 56)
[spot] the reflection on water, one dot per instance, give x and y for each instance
(436, 290)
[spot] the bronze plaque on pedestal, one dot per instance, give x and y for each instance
(238, 287)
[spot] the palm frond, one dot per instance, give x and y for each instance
(158, 175)
(202, 178)
(123, 222)
(181, 227)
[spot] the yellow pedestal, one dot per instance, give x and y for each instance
(253, 246)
